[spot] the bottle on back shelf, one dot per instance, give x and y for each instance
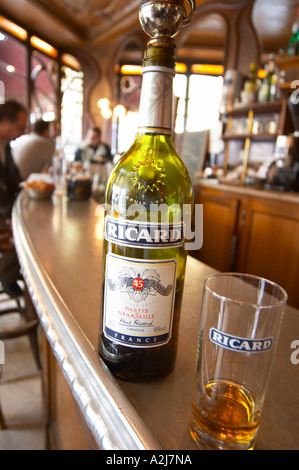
(293, 46)
(273, 88)
(280, 84)
(144, 261)
(269, 87)
(251, 86)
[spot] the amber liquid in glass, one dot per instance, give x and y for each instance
(224, 416)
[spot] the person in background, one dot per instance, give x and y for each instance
(93, 149)
(55, 131)
(34, 152)
(13, 123)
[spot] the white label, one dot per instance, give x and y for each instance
(155, 110)
(139, 301)
(238, 344)
(143, 234)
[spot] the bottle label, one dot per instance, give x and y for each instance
(237, 344)
(139, 301)
(143, 234)
(155, 109)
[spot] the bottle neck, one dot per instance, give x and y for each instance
(155, 110)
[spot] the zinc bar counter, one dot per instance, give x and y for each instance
(87, 407)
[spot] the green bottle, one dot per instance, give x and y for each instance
(293, 46)
(251, 86)
(144, 256)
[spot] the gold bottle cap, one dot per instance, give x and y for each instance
(160, 53)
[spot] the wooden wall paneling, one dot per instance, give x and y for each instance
(66, 429)
(270, 245)
(220, 214)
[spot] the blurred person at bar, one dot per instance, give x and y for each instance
(93, 149)
(13, 124)
(33, 153)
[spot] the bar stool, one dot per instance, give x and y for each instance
(23, 306)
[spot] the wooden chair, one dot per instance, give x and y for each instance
(25, 308)
(2, 422)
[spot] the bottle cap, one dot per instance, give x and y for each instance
(160, 54)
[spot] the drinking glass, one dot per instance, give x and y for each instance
(59, 174)
(241, 318)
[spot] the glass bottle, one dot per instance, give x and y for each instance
(269, 85)
(293, 46)
(144, 263)
(251, 86)
(271, 77)
(59, 167)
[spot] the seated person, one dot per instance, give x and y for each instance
(93, 149)
(33, 153)
(13, 123)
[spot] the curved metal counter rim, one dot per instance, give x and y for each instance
(111, 418)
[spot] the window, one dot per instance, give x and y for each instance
(125, 126)
(56, 91)
(197, 101)
(201, 110)
(13, 75)
(180, 92)
(71, 110)
(44, 79)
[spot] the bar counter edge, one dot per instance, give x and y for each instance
(100, 399)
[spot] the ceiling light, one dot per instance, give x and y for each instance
(119, 111)
(12, 28)
(10, 68)
(106, 113)
(207, 69)
(43, 46)
(104, 103)
(181, 68)
(131, 70)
